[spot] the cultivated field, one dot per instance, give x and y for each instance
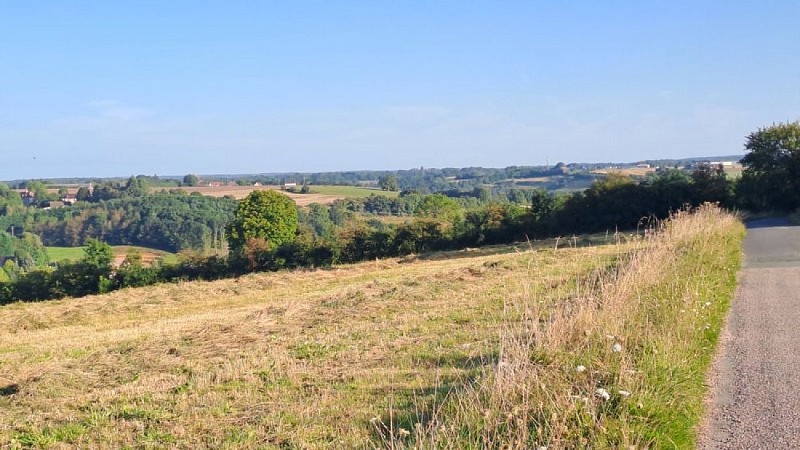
(319, 194)
(455, 350)
(631, 171)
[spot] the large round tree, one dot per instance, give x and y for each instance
(771, 178)
(267, 215)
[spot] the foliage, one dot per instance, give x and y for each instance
(267, 215)
(98, 254)
(191, 180)
(10, 201)
(170, 221)
(771, 178)
(388, 183)
(438, 206)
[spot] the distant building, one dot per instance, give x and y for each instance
(28, 197)
(69, 199)
(54, 205)
(215, 184)
(643, 166)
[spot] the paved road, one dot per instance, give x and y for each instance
(756, 396)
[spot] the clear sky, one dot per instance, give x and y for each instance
(111, 88)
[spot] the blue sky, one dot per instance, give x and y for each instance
(91, 88)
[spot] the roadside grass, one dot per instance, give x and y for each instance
(616, 360)
(295, 359)
(468, 349)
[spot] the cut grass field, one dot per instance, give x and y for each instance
(324, 194)
(453, 350)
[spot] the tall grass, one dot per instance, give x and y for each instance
(616, 359)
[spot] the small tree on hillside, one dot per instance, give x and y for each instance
(440, 207)
(388, 183)
(267, 215)
(98, 254)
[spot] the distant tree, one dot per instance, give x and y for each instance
(771, 178)
(98, 254)
(83, 194)
(306, 189)
(388, 183)
(39, 190)
(7, 245)
(191, 180)
(30, 252)
(482, 193)
(10, 201)
(136, 186)
(267, 215)
(439, 206)
(710, 184)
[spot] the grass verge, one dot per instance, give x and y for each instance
(617, 361)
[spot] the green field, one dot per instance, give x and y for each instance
(350, 191)
(76, 253)
(65, 253)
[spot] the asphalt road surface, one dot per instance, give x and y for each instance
(755, 399)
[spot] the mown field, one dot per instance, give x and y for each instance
(455, 350)
(319, 194)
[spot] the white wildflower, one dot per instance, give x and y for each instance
(404, 432)
(624, 393)
(610, 337)
(602, 393)
(580, 369)
(616, 348)
(708, 303)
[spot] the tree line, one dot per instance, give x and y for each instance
(266, 231)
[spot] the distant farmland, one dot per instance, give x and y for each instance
(319, 194)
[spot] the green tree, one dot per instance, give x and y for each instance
(10, 201)
(388, 183)
(98, 254)
(439, 206)
(771, 178)
(191, 180)
(267, 215)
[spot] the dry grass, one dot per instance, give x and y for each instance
(293, 359)
(616, 360)
(631, 171)
(240, 192)
(459, 350)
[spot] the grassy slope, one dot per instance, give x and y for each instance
(642, 335)
(359, 355)
(304, 358)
